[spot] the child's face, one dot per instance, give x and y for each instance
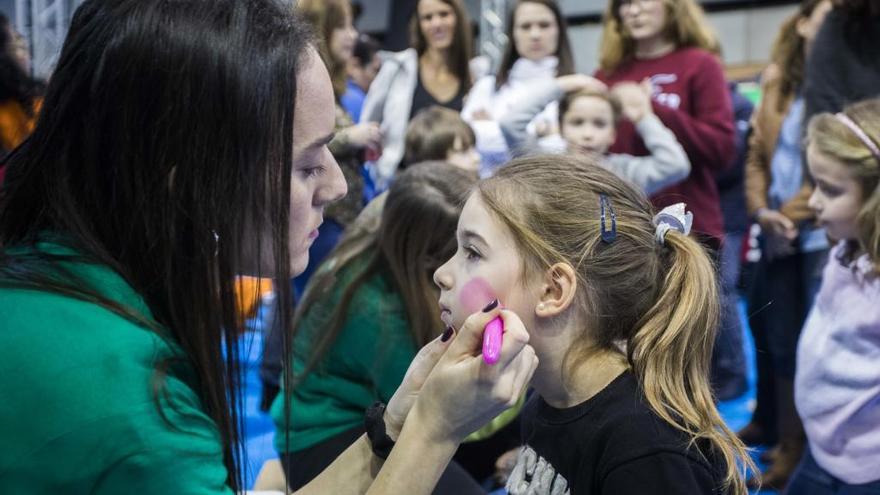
(644, 20)
(464, 158)
(485, 266)
(588, 125)
(837, 197)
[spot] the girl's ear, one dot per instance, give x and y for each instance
(560, 285)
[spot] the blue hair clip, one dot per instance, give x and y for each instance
(608, 236)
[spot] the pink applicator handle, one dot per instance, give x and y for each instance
(492, 340)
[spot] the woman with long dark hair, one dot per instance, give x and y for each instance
(180, 144)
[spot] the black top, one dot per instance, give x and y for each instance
(611, 444)
(843, 66)
(423, 99)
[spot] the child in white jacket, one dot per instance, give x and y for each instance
(588, 116)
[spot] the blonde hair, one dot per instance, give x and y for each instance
(661, 300)
(325, 16)
(834, 139)
(686, 26)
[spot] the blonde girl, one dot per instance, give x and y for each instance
(837, 383)
(621, 313)
(669, 43)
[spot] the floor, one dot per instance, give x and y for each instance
(259, 429)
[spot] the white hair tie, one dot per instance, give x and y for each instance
(673, 217)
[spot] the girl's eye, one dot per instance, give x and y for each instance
(472, 254)
(601, 124)
(828, 190)
(576, 122)
(544, 25)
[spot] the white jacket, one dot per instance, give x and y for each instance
(389, 102)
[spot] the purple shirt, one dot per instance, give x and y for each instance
(837, 384)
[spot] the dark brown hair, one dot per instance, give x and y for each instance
(462, 48)
(138, 165)
(432, 133)
(511, 55)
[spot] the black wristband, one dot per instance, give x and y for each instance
(374, 424)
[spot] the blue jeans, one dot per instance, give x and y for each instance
(810, 479)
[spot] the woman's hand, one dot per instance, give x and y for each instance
(364, 135)
(462, 392)
(405, 395)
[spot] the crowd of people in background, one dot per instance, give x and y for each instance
(533, 192)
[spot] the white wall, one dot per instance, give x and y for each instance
(746, 36)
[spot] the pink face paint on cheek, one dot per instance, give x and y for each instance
(475, 295)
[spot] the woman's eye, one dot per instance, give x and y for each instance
(312, 171)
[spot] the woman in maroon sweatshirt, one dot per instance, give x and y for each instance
(669, 42)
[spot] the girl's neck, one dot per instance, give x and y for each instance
(655, 47)
(573, 386)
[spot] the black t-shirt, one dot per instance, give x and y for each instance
(423, 99)
(612, 444)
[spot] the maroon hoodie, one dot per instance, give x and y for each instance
(691, 98)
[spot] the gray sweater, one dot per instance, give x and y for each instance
(667, 164)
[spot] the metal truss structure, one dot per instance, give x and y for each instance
(493, 16)
(44, 24)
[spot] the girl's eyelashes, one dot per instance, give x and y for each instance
(828, 189)
(471, 253)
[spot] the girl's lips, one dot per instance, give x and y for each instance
(446, 317)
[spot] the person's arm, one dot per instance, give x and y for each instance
(707, 135)
(514, 125)
(757, 174)
(374, 103)
(666, 165)
(451, 391)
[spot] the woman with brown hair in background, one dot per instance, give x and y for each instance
(433, 71)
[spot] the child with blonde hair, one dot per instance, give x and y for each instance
(588, 118)
(837, 382)
(621, 307)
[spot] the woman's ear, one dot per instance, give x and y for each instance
(560, 285)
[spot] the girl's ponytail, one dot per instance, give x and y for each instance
(671, 349)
